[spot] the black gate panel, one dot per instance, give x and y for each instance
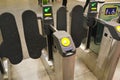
(78, 31)
(62, 19)
(11, 45)
(35, 42)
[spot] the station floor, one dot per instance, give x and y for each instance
(33, 69)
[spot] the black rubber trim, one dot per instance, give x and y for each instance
(62, 19)
(35, 42)
(78, 31)
(11, 45)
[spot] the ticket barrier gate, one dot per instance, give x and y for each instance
(64, 56)
(63, 49)
(109, 49)
(10, 46)
(36, 42)
(60, 51)
(104, 63)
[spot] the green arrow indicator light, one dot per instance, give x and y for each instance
(47, 9)
(93, 4)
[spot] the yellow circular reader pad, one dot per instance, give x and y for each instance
(118, 28)
(65, 41)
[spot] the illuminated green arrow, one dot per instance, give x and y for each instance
(93, 4)
(46, 9)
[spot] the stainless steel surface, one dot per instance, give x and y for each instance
(117, 72)
(7, 68)
(114, 59)
(104, 64)
(64, 67)
(105, 48)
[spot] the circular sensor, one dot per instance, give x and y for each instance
(118, 28)
(65, 41)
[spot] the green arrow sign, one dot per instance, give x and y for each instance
(93, 4)
(46, 9)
